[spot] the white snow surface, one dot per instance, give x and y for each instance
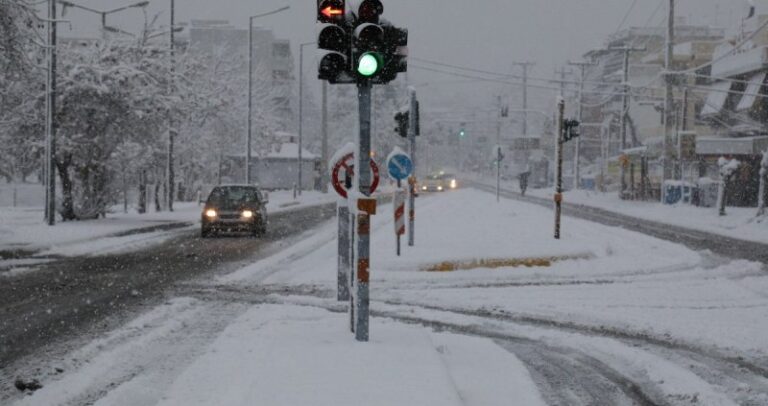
(295, 351)
(740, 222)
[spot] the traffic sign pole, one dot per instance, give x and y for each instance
(345, 261)
(412, 183)
(362, 269)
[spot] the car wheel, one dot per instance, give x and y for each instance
(206, 232)
(259, 230)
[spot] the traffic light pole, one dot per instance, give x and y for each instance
(412, 183)
(360, 298)
(559, 174)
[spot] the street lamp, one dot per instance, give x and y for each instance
(249, 138)
(301, 106)
(102, 13)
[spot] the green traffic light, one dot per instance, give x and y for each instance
(462, 134)
(368, 65)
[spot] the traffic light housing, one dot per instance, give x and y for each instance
(571, 130)
(331, 11)
(357, 45)
(334, 42)
(395, 53)
(402, 120)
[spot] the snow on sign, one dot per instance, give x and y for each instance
(399, 165)
(343, 183)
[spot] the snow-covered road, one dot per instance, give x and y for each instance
(614, 318)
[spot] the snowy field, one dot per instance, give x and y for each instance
(659, 315)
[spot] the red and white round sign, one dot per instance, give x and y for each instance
(347, 163)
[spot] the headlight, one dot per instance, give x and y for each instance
(423, 188)
(247, 214)
(440, 188)
(453, 184)
(211, 213)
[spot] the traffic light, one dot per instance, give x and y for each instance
(418, 119)
(331, 11)
(571, 130)
(462, 132)
(395, 53)
(334, 41)
(402, 120)
(356, 44)
(367, 38)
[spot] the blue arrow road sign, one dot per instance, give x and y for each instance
(400, 166)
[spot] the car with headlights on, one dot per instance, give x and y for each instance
(433, 183)
(450, 182)
(236, 208)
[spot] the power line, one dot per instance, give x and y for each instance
(492, 80)
(626, 15)
(513, 76)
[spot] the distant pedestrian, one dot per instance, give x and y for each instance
(523, 177)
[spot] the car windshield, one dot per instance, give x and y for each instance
(433, 177)
(230, 197)
(448, 176)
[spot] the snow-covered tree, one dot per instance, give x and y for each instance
(20, 81)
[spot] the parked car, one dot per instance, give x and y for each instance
(235, 208)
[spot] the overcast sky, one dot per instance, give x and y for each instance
(482, 34)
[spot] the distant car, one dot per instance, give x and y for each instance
(235, 208)
(450, 181)
(433, 183)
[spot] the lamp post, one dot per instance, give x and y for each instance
(102, 13)
(301, 108)
(249, 137)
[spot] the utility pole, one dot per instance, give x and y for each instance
(324, 148)
(171, 130)
(668, 95)
(562, 72)
(559, 171)
(525, 66)
(498, 151)
(50, 204)
(577, 147)
(625, 106)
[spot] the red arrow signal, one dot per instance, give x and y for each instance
(331, 12)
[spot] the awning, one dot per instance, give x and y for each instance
(716, 98)
(750, 94)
